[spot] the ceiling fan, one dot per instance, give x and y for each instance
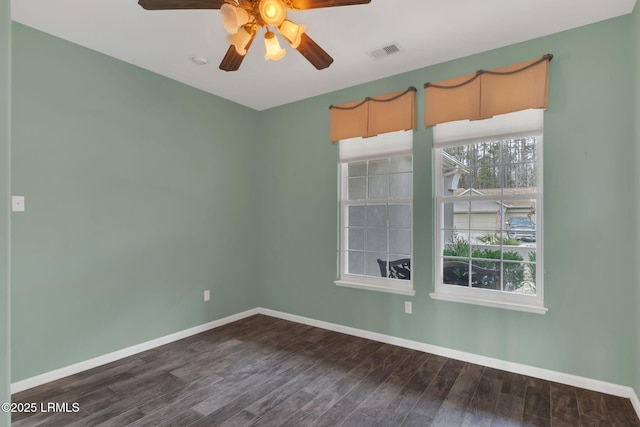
(242, 18)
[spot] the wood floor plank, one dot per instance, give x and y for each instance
(485, 398)
(591, 404)
(533, 421)
(537, 398)
(509, 410)
(431, 400)
(514, 384)
(620, 411)
(241, 419)
(263, 371)
(564, 404)
(401, 405)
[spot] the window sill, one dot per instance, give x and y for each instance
(377, 288)
(490, 303)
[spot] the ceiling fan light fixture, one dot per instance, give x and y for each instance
(292, 32)
(272, 12)
(240, 40)
(274, 51)
(233, 17)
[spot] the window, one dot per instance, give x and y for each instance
(489, 211)
(376, 213)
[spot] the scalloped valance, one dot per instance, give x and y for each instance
(374, 115)
(488, 93)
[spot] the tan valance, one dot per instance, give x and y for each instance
(488, 93)
(374, 115)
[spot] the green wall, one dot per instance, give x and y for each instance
(589, 255)
(5, 108)
(140, 194)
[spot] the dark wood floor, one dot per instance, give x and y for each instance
(270, 372)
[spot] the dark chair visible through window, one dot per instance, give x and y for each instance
(398, 269)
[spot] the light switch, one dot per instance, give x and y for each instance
(17, 203)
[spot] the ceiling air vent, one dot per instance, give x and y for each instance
(385, 51)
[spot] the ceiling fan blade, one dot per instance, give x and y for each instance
(314, 53)
(180, 4)
(232, 59)
(315, 4)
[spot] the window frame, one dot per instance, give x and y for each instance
(380, 284)
(478, 296)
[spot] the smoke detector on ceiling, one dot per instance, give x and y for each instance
(199, 60)
(383, 52)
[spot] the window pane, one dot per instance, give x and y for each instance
(484, 216)
(455, 175)
(378, 167)
(488, 249)
(484, 171)
(358, 169)
(400, 216)
(459, 156)
(376, 240)
(520, 223)
(457, 217)
(399, 267)
(356, 216)
(520, 160)
(455, 271)
(357, 188)
(520, 150)
(400, 242)
(355, 262)
(372, 267)
(355, 238)
(485, 274)
(401, 185)
(377, 216)
(379, 187)
(518, 278)
(401, 164)
(456, 246)
(520, 178)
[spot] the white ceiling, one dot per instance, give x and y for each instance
(429, 32)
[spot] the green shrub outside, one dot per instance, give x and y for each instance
(513, 271)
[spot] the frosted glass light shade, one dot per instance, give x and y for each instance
(273, 12)
(240, 40)
(274, 51)
(292, 32)
(233, 17)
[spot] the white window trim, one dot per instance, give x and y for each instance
(514, 125)
(394, 144)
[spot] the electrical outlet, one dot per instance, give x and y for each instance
(207, 295)
(408, 307)
(17, 203)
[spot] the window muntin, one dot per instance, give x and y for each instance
(489, 220)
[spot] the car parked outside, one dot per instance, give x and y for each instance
(521, 228)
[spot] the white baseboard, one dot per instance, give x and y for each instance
(532, 371)
(517, 368)
(635, 402)
(125, 352)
